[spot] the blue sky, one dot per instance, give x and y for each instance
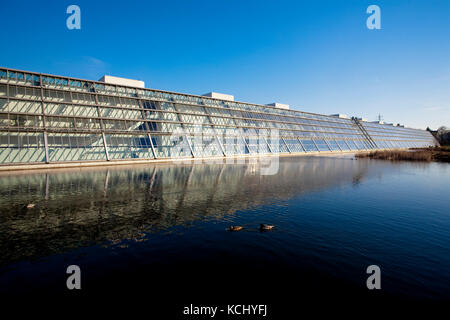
(317, 56)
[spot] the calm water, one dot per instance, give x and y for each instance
(157, 226)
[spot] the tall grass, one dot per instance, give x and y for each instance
(399, 155)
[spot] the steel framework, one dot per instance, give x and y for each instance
(46, 118)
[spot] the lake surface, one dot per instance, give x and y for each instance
(161, 229)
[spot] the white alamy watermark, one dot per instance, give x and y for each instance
(374, 20)
(74, 280)
(374, 280)
(74, 20)
(228, 147)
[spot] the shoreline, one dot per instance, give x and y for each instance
(432, 154)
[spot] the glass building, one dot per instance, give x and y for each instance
(53, 119)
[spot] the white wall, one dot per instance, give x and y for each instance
(218, 95)
(123, 81)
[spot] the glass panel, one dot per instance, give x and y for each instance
(2, 76)
(333, 145)
(75, 147)
(205, 146)
(309, 145)
(277, 145)
(343, 145)
(3, 90)
(16, 147)
(22, 122)
(360, 145)
(25, 106)
(167, 146)
(321, 144)
(381, 144)
(233, 145)
(352, 145)
(128, 146)
(3, 105)
(294, 145)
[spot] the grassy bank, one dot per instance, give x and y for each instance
(441, 154)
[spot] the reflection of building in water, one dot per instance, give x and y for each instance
(80, 207)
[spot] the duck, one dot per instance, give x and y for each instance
(235, 228)
(266, 227)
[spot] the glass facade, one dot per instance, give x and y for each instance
(45, 119)
(387, 136)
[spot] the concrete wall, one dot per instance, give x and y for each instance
(340, 115)
(218, 95)
(122, 81)
(279, 105)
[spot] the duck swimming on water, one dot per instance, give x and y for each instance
(235, 228)
(266, 227)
